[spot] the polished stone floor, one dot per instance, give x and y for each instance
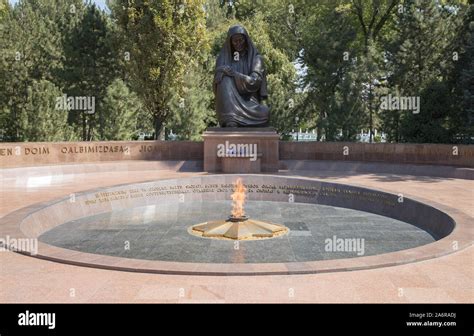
(159, 232)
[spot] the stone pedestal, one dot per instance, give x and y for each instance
(240, 150)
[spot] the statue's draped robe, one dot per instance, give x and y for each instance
(238, 98)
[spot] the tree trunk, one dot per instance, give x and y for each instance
(319, 130)
(371, 125)
(101, 124)
(84, 127)
(158, 126)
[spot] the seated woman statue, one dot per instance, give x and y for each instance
(240, 83)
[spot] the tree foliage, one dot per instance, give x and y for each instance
(149, 65)
(162, 37)
(121, 108)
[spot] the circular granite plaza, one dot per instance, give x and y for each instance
(146, 227)
(119, 232)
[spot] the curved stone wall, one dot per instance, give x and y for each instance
(48, 153)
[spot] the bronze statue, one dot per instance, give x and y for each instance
(240, 83)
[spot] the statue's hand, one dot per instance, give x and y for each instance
(228, 71)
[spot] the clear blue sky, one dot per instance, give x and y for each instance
(99, 3)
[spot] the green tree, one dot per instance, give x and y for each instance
(330, 54)
(4, 8)
(90, 66)
(162, 37)
(5, 17)
(281, 75)
(373, 16)
(121, 108)
(41, 120)
(432, 123)
(467, 81)
(461, 79)
(192, 110)
(31, 50)
(422, 58)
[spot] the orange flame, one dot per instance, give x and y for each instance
(238, 198)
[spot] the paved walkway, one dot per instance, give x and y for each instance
(26, 279)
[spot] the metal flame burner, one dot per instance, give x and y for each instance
(237, 219)
(238, 226)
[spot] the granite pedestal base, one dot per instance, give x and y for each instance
(240, 150)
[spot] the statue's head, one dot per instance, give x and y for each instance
(239, 42)
(238, 38)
